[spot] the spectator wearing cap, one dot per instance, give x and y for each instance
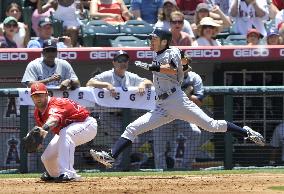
(147, 10)
(51, 70)
(248, 14)
(10, 25)
(253, 37)
(203, 10)
(179, 38)
(22, 34)
(45, 31)
(170, 6)
(66, 11)
(207, 31)
(273, 37)
(111, 80)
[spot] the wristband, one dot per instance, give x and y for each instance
(154, 68)
(45, 127)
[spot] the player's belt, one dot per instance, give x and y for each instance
(166, 94)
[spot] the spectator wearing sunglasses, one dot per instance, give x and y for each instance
(111, 80)
(51, 70)
(207, 31)
(179, 38)
(10, 26)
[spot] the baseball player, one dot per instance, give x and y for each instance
(172, 103)
(50, 70)
(72, 127)
(116, 77)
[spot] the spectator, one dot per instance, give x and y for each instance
(179, 38)
(203, 10)
(65, 10)
(117, 77)
(22, 35)
(277, 143)
(164, 18)
(253, 37)
(273, 37)
(249, 14)
(147, 10)
(36, 16)
(10, 26)
(114, 12)
(188, 7)
(45, 31)
(207, 30)
(51, 70)
(279, 4)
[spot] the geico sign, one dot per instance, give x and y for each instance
(203, 53)
(281, 52)
(13, 56)
(102, 54)
(145, 54)
(251, 52)
(67, 55)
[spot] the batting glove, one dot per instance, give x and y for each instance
(149, 67)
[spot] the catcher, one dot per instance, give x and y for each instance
(72, 127)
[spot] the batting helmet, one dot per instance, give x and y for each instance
(162, 34)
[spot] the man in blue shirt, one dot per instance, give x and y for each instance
(147, 10)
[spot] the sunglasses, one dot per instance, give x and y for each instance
(11, 25)
(207, 26)
(177, 22)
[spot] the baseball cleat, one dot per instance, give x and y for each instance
(46, 177)
(102, 157)
(64, 178)
(254, 136)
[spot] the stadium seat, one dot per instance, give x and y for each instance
(99, 33)
(128, 41)
(235, 39)
(137, 28)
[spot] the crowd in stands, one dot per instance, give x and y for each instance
(192, 22)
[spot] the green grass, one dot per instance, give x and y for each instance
(277, 188)
(165, 173)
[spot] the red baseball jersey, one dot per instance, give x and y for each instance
(65, 110)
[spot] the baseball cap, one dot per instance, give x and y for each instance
(10, 19)
(251, 31)
(272, 32)
(44, 21)
(170, 1)
(116, 56)
(202, 6)
(49, 44)
(38, 88)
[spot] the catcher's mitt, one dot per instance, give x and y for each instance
(33, 139)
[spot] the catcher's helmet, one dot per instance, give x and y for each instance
(162, 34)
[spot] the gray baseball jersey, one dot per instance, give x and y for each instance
(163, 82)
(194, 80)
(278, 138)
(130, 79)
(37, 70)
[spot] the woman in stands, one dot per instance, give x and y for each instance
(66, 11)
(207, 31)
(22, 35)
(113, 12)
(203, 10)
(179, 38)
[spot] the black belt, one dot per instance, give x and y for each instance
(166, 94)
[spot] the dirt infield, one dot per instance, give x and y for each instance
(257, 183)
